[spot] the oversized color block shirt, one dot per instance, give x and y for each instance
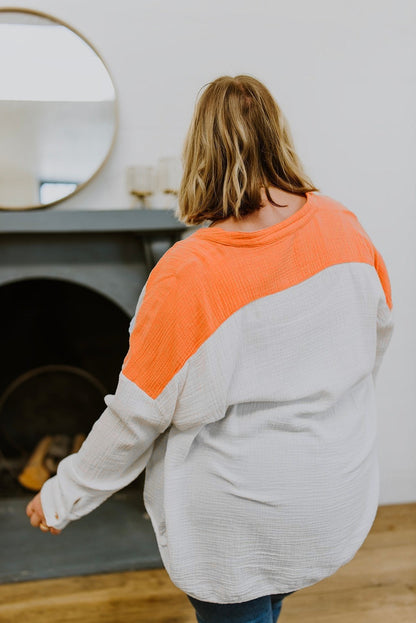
(248, 394)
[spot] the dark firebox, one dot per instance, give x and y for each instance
(63, 346)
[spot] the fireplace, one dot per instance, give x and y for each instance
(64, 346)
(69, 284)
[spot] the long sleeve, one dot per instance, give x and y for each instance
(113, 455)
(120, 442)
(385, 313)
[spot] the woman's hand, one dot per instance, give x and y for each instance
(34, 511)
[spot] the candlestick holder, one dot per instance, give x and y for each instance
(140, 184)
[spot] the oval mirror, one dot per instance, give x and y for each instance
(58, 110)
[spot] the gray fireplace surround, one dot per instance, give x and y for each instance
(57, 268)
(110, 251)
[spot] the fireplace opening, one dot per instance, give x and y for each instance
(63, 345)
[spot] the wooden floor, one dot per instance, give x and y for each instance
(378, 585)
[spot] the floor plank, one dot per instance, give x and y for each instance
(378, 584)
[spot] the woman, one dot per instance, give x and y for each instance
(248, 388)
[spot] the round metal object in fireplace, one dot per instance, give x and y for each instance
(49, 400)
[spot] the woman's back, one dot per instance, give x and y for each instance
(267, 478)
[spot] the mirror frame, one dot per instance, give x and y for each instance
(116, 110)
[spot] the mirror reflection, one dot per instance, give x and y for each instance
(57, 110)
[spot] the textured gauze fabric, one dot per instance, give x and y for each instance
(248, 394)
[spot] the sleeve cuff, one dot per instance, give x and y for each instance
(52, 505)
(64, 499)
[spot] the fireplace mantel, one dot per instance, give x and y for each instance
(89, 221)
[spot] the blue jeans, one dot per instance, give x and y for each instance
(261, 610)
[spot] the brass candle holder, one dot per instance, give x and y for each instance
(141, 194)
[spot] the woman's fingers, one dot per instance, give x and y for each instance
(38, 522)
(35, 519)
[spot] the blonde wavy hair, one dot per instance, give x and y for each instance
(238, 143)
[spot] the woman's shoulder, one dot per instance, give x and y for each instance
(184, 261)
(336, 212)
(325, 202)
(191, 250)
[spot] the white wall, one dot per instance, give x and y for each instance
(344, 73)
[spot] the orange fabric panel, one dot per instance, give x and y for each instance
(197, 285)
(384, 277)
